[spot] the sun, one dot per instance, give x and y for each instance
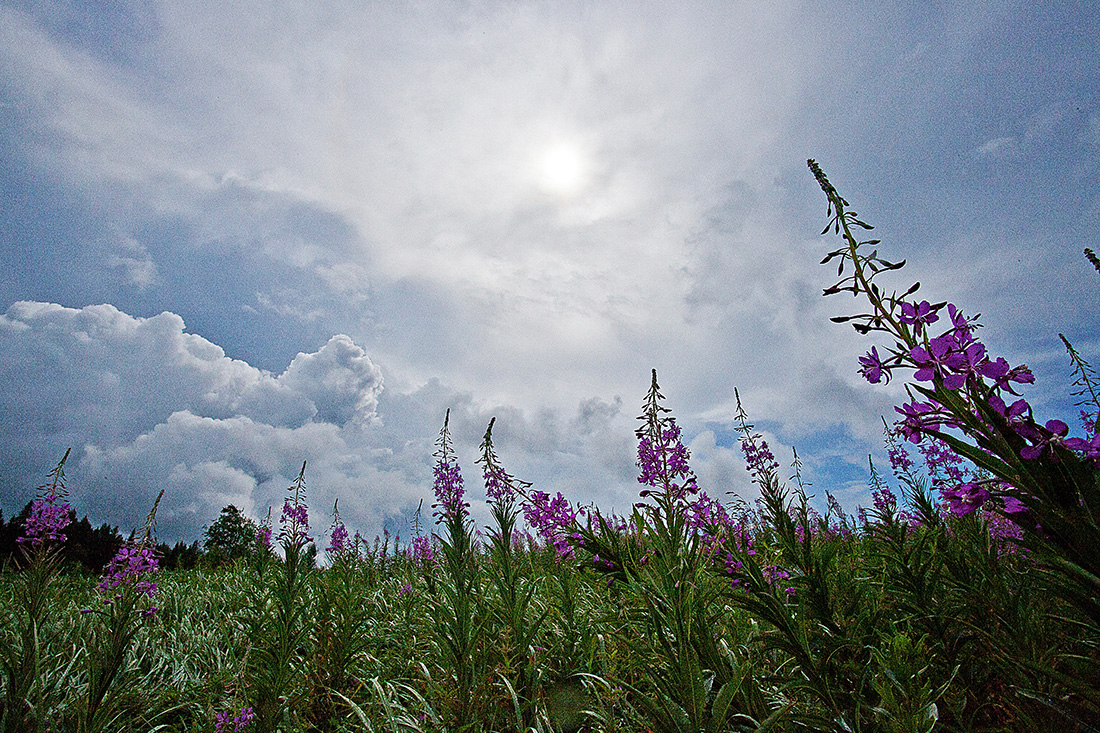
(561, 170)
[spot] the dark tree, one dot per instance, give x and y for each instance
(231, 537)
(91, 548)
(180, 556)
(9, 534)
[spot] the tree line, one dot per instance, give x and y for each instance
(232, 536)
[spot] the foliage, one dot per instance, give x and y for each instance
(231, 537)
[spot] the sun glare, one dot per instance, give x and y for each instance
(561, 170)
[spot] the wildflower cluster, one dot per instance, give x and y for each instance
(50, 513)
(131, 566)
(340, 546)
(662, 458)
(294, 524)
(554, 520)
(424, 555)
(758, 457)
(448, 487)
(449, 492)
(498, 482)
(729, 560)
(222, 721)
(960, 385)
(263, 537)
(47, 522)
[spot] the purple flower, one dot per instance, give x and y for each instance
(918, 316)
(338, 540)
(961, 327)
(914, 425)
(1012, 505)
(1002, 375)
(664, 465)
(130, 568)
(885, 500)
(263, 537)
(553, 520)
(448, 486)
(705, 513)
(46, 522)
(497, 485)
(1090, 422)
(900, 462)
(1090, 448)
(239, 721)
(966, 497)
(1043, 440)
(873, 369)
(1015, 413)
(294, 524)
(424, 555)
(758, 456)
(940, 359)
(449, 492)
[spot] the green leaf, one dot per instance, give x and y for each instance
(722, 702)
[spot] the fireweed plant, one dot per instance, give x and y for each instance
(660, 560)
(23, 704)
(339, 628)
(515, 615)
(460, 609)
(278, 624)
(126, 596)
(1037, 477)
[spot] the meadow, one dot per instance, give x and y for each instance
(966, 599)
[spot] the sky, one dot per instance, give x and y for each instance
(239, 237)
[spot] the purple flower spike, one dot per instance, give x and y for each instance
(666, 464)
(552, 520)
(45, 524)
(130, 567)
(424, 555)
(759, 458)
(294, 524)
(338, 540)
(448, 486)
(449, 491)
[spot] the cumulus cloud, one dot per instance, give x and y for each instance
(148, 405)
(340, 380)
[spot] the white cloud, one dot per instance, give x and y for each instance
(140, 269)
(1001, 148)
(150, 406)
(340, 379)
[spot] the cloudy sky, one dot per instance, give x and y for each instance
(236, 237)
